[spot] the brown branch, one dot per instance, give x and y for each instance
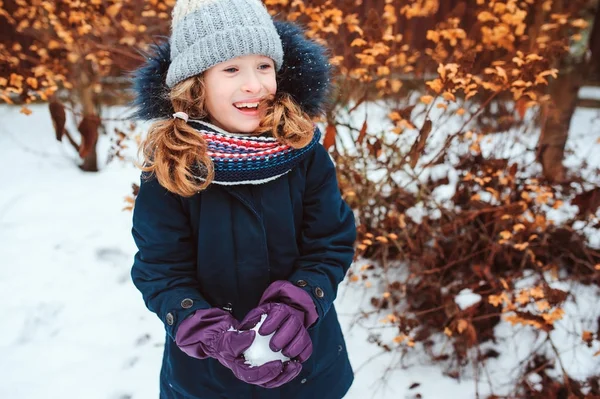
(449, 265)
(562, 366)
(73, 143)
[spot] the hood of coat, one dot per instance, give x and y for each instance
(305, 75)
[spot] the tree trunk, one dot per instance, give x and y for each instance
(594, 45)
(89, 138)
(556, 118)
(534, 28)
(556, 121)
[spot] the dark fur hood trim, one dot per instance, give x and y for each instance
(305, 75)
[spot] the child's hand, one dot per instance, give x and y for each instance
(213, 332)
(270, 375)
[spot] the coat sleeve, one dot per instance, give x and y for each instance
(328, 235)
(164, 268)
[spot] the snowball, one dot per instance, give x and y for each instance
(259, 352)
(466, 298)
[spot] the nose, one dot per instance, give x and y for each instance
(252, 83)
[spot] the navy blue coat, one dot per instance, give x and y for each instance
(223, 247)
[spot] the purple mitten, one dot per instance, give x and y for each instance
(213, 332)
(283, 291)
(291, 337)
(270, 375)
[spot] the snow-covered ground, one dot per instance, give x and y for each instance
(75, 327)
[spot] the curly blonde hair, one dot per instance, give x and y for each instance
(173, 151)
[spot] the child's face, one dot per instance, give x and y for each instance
(234, 88)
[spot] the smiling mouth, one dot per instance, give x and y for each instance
(246, 106)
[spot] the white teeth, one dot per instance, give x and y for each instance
(246, 105)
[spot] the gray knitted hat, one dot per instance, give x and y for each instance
(207, 32)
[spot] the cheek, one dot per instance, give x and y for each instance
(215, 101)
(273, 88)
(271, 84)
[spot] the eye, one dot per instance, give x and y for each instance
(230, 70)
(265, 66)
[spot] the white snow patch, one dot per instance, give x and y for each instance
(589, 92)
(466, 298)
(259, 352)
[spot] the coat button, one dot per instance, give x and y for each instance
(170, 319)
(187, 303)
(303, 381)
(301, 283)
(319, 292)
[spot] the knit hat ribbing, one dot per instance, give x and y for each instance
(208, 32)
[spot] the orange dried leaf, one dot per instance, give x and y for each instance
(502, 73)
(542, 305)
(537, 292)
(383, 70)
(435, 85)
(579, 23)
(496, 300)
(382, 239)
(394, 116)
(337, 60)
(486, 16)
(449, 96)
(399, 338)
(433, 36)
(442, 71)
(587, 336)
(402, 221)
(555, 315)
(518, 227)
(462, 325)
(523, 297)
(6, 99)
(129, 199)
(506, 235)
(396, 85)
(358, 42)
(426, 99)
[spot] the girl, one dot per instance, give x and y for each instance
(239, 212)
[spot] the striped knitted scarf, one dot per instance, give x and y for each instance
(244, 159)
